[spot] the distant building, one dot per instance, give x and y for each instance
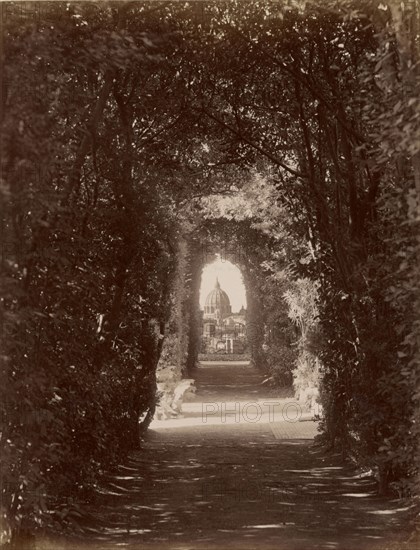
(223, 331)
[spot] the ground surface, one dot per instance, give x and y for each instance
(240, 470)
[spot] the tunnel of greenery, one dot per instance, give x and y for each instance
(135, 134)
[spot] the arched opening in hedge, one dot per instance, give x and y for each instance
(270, 333)
(223, 310)
(98, 255)
(230, 279)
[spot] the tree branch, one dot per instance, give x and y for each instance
(74, 176)
(254, 145)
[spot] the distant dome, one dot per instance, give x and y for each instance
(217, 302)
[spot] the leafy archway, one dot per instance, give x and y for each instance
(117, 123)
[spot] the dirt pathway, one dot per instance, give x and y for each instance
(240, 470)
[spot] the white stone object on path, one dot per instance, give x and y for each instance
(309, 397)
(172, 390)
(183, 391)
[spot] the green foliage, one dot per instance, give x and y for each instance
(337, 122)
(261, 243)
(281, 360)
(302, 300)
(128, 140)
(84, 286)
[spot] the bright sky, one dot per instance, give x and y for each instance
(230, 280)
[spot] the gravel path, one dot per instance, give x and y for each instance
(226, 477)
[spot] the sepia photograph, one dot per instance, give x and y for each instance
(210, 275)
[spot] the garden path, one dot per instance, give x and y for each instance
(239, 480)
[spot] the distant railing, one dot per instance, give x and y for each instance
(224, 357)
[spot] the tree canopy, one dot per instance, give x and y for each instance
(135, 132)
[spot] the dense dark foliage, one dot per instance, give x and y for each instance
(119, 122)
